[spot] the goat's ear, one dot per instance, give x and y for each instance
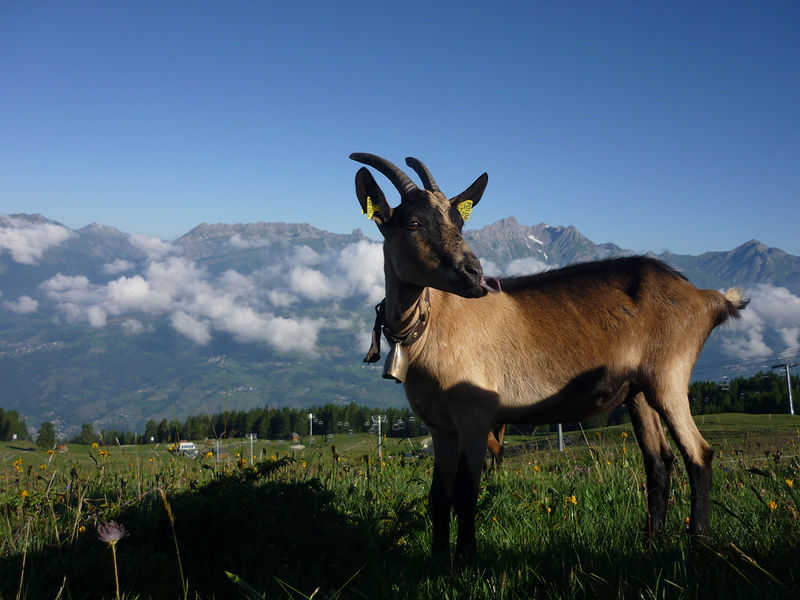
(471, 196)
(370, 197)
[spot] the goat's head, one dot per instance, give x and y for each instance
(423, 244)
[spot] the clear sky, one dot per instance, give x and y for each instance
(648, 124)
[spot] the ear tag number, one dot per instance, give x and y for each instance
(370, 208)
(465, 208)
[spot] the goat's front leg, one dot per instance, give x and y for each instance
(445, 466)
(466, 489)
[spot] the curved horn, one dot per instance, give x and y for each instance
(399, 179)
(427, 179)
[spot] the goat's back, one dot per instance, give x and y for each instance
(622, 317)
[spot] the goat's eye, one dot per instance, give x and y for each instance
(413, 224)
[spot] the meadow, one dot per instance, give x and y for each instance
(334, 521)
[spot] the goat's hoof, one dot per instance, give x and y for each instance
(440, 555)
(466, 554)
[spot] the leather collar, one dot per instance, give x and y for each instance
(414, 334)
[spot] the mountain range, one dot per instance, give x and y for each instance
(100, 326)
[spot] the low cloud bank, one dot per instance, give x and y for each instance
(23, 305)
(198, 304)
(263, 306)
(27, 242)
(772, 310)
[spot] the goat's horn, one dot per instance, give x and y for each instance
(400, 180)
(427, 179)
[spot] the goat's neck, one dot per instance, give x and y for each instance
(403, 305)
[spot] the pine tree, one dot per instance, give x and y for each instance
(47, 435)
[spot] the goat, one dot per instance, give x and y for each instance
(564, 345)
(495, 446)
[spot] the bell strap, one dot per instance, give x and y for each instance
(374, 353)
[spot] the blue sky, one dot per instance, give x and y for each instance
(651, 125)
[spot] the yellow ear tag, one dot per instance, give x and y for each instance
(370, 208)
(465, 208)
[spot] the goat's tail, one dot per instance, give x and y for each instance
(736, 301)
(729, 304)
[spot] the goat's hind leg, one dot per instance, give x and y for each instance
(658, 460)
(673, 406)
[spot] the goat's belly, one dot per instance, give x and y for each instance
(527, 400)
(587, 395)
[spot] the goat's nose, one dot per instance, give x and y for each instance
(473, 266)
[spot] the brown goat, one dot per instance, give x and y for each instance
(495, 446)
(560, 346)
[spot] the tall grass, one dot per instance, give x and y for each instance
(335, 523)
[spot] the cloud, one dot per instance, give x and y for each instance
(362, 266)
(526, 266)
(28, 242)
(311, 284)
(196, 303)
(118, 266)
(196, 330)
(23, 305)
(519, 266)
(131, 294)
(303, 255)
(771, 309)
(241, 243)
(280, 299)
(135, 327)
(153, 248)
(257, 307)
(97, 316)
(355, 271)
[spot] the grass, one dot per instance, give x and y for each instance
(333, 522)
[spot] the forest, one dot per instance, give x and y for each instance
(763, 393)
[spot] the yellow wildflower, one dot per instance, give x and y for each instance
(686, 520)
(789, 482)
(772, 505)
(82, 529)
(50, 452)
(209, 454)
(494, 519)
(624, 435)
(23, 494)
(94, 444)
(43, 467)
(549, 510)
(536, 468)
(571, 500)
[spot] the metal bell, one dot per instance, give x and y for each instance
(396, 365)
